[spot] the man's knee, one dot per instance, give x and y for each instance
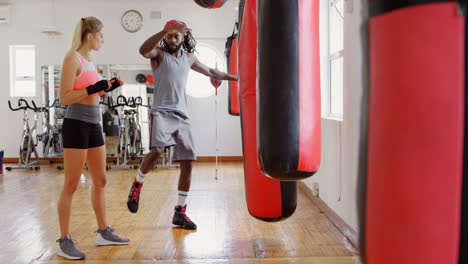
(186, 165)
(155, 152)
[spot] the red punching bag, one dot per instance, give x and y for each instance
(267, 199)
(149, 79)
(289, 88)
(231, 58)
(415, 182)
(211, 4)
(216, 84)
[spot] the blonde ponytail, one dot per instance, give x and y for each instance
(83, 27)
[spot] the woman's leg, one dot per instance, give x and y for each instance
(73, 161)
(96, 162)
(97, 167)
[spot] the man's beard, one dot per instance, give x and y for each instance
(175, 50)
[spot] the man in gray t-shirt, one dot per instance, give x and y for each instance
(171, 54)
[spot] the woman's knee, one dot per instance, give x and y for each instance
(100, 182)
(70, 188)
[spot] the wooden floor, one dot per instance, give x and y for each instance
(226, 232)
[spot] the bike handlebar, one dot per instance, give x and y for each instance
(139, 101)
(55, 103)
(24, 105)
(16, 109)
(21, 100)
(39, 109)
(133, 102)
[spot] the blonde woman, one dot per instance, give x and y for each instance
(82, 134)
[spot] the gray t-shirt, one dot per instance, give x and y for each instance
(170, 83)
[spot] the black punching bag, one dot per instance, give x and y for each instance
(289, 88)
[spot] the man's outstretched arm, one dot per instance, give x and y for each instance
(210, 72)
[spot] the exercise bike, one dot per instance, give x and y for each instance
(130, 145)
(52, 137)
(28, 137)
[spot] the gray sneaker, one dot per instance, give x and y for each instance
(68, 249)
(108, 237)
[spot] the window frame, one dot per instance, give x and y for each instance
(14, 78)
(332, 57)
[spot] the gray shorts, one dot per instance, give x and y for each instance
(168, 129)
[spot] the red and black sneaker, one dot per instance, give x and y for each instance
(181, 219)
(134, 196)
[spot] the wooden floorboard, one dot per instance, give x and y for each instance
(305, 260)
(226, 232)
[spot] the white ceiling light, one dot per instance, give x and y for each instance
(52, 30)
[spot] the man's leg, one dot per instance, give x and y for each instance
(184, 151)
(184, 181)
(162, 127)
(185, 177)
(180, 218)
(146, 166)
(150, 159)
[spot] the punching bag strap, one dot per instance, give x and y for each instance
(235, 30)
(461, 4)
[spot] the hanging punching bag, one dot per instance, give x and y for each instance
(267, 199)
(416, 181)
(289, 88)
(211, 4)
(231, 58)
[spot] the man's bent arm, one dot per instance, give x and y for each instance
(148, 49)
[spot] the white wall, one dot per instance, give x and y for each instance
(30, 17)
(337, 176)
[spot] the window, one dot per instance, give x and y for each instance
(336, 58)
(22, 71)
(198, 85)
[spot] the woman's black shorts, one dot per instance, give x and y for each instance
(81, 135)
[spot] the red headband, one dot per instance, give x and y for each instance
(174, 22)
